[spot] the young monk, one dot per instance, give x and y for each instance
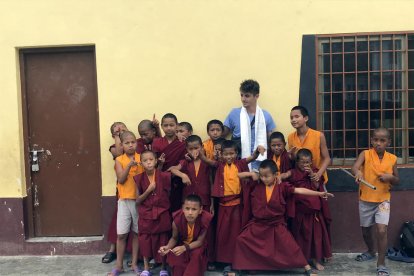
(278, 153)
(174, 151)
(379, 168)
(148, 130)
(313, 140)
(310, 224)
(154, 220)
(186, 249)
(126, 167)
(116, 150)
(184, 129)
(227, 188)
(195, 174)
(264, 242)
(215, 130)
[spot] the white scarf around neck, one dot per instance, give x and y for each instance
(245, 133)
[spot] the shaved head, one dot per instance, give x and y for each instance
(145, 125)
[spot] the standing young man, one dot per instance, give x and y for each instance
(250, 125)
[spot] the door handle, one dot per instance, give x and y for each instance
(35, 158)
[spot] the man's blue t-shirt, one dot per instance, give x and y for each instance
(233, 123)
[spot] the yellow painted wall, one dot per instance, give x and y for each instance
(182, 56)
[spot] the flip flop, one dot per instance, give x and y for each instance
(146, 273)
(383, 271)
(115, 272)
(109, 257)
(164, 273)
(363, 257)
(137, 271)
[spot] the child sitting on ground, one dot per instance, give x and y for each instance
(187, 247)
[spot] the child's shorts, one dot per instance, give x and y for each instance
(371, 213)
(127, 218)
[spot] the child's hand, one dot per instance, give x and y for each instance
(186, 180)
(155, 122)
(132, 163)
(279, 179)
(292, 153)
(187, 157)
(359, 176)
(178, 250)
(152, 187)
(163, 250)
(325, 195)
(217, 154)
(386, 177)
(243, 175)
(180, 137)
(161, 159)
(260, 150)
(315, 177)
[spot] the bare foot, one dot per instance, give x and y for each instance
(318, 266)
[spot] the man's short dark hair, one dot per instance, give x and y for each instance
(228, 144)
(250, 86)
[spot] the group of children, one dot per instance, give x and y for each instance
(190, 204)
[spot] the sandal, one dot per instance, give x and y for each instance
(164, 273)
(137, 271)
(363, 257)
(310, 272)
(109, 257)
(115, 272)
(146, 273)
(383, 271)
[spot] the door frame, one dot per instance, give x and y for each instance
(28, 205)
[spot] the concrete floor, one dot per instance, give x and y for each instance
(342, 264)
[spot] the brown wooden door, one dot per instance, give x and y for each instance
(61, 117)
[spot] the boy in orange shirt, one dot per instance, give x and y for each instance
(378, 167)
(126, 167)
(215, 130)
(313, 140)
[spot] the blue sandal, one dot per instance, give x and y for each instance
(383, 271)
(363, 257)
(146, 273)
(164, 273)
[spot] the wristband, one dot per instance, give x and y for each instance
(187, 247)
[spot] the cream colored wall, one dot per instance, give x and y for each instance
(182, 56)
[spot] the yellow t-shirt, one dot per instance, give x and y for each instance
(209, 148)
(373, 167)
(128, 190)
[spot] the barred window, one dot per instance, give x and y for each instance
(365, 81)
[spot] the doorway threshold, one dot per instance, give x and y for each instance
(65, 239)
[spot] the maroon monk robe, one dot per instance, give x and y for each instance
(174, 152)
(142, 146)
(229, 218)
(194, 262)
(310, 226)
(154, 220)
(201, 186)
(265, 243)
(285, 162)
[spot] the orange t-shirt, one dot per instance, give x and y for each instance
(373, 167)
(209, 148)
(311, 142)
(190, 234)
(269, 191)
(128, 190)
(231, 180)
